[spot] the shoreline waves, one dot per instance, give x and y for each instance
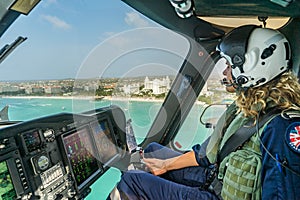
(86, 98)
(91, 98)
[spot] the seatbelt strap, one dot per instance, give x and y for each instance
(216, 187)
(243, 134)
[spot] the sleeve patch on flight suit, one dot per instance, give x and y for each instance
(292, 136)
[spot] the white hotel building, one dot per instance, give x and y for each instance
(158, 86)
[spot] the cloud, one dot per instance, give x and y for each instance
(56, 22)
(48, 3)
(119, 42)
(134, 19)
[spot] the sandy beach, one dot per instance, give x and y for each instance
(108, 98)
(92, 98)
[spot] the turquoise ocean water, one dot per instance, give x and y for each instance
(142, 114)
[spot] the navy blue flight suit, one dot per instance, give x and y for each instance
(177, 184)
(280, 173)
(281, 142)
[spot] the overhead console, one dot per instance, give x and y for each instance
(60, 156)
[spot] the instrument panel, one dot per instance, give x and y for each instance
(61, 156)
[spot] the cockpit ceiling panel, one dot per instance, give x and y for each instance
(4, 6)
(7, 20)
(246, 8)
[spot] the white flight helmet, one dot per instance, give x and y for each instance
(256, 55)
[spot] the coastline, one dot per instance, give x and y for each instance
(48, 97)
(91, 98)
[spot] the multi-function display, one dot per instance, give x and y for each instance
(105, 142)
(80, 152)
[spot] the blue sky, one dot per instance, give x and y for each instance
(61, 33)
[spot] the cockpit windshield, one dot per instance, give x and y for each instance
(85, 55)
(79, 79)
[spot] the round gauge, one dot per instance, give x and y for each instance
(43, 162)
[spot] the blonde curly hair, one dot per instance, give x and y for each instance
(282, 93)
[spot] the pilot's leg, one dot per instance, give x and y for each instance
(139, 185)
(155, 150)
(190, 176)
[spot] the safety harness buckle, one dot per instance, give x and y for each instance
(216, 187)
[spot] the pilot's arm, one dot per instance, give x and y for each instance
(161, 166)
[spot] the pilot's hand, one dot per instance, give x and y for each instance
(156, 166)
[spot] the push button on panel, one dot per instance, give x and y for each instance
(21, 173)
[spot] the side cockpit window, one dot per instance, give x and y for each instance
(207, 109)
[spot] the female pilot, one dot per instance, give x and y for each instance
(267, 165)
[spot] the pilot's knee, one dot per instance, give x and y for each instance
(153, 146)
